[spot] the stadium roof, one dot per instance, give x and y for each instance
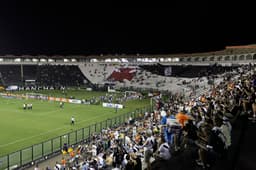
(252, 46)
(229, 50)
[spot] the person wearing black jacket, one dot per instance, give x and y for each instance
(190, 134)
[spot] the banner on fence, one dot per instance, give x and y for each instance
(88, 89)
(9, 95)
(12, 88)
(112, 105)
(58, 99)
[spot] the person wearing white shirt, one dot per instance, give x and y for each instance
(36, 167)
(163, 113)
(148, 147)
(57, 166)
(94, 150)
(145, 114)
(24, 106)
(125, 160)
(226, 129)
(134, 132)
(163, 150)
(116, 134)
(72, 120)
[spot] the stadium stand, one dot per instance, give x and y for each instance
(188, 71)
(210, 140)
(122, 74)
(30, 72)
(44, 75)
(96, 73)
(59, 75)
(221, 103)
(11, 74)
(146, 80)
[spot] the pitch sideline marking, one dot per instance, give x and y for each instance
(24, 139)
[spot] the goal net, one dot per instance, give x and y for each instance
(36, 96)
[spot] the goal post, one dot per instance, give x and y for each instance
(36, 96)
(131, 93)
(30, 82)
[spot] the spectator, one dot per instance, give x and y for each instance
(36, 167)
(190, 134)
(164, 150)
(148, 147)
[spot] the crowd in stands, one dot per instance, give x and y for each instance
(148, 81)
(44, 75)
(59, 75)
(10, 74)
(97, 73)
(201, 125)
(188, 71)
(70, 75)
(29, 72)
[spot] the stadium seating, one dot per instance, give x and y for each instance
(122, 74)
(146, 80)
(59, 75)
(188, 71)
(45, 75)
(29, 72)
(11, 74)
(96, 73)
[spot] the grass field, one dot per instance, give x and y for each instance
(22, 128)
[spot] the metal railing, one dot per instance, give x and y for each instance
(46, 149)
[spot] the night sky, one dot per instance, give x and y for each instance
(72, 28)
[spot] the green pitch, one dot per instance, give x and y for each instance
(22, 128)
